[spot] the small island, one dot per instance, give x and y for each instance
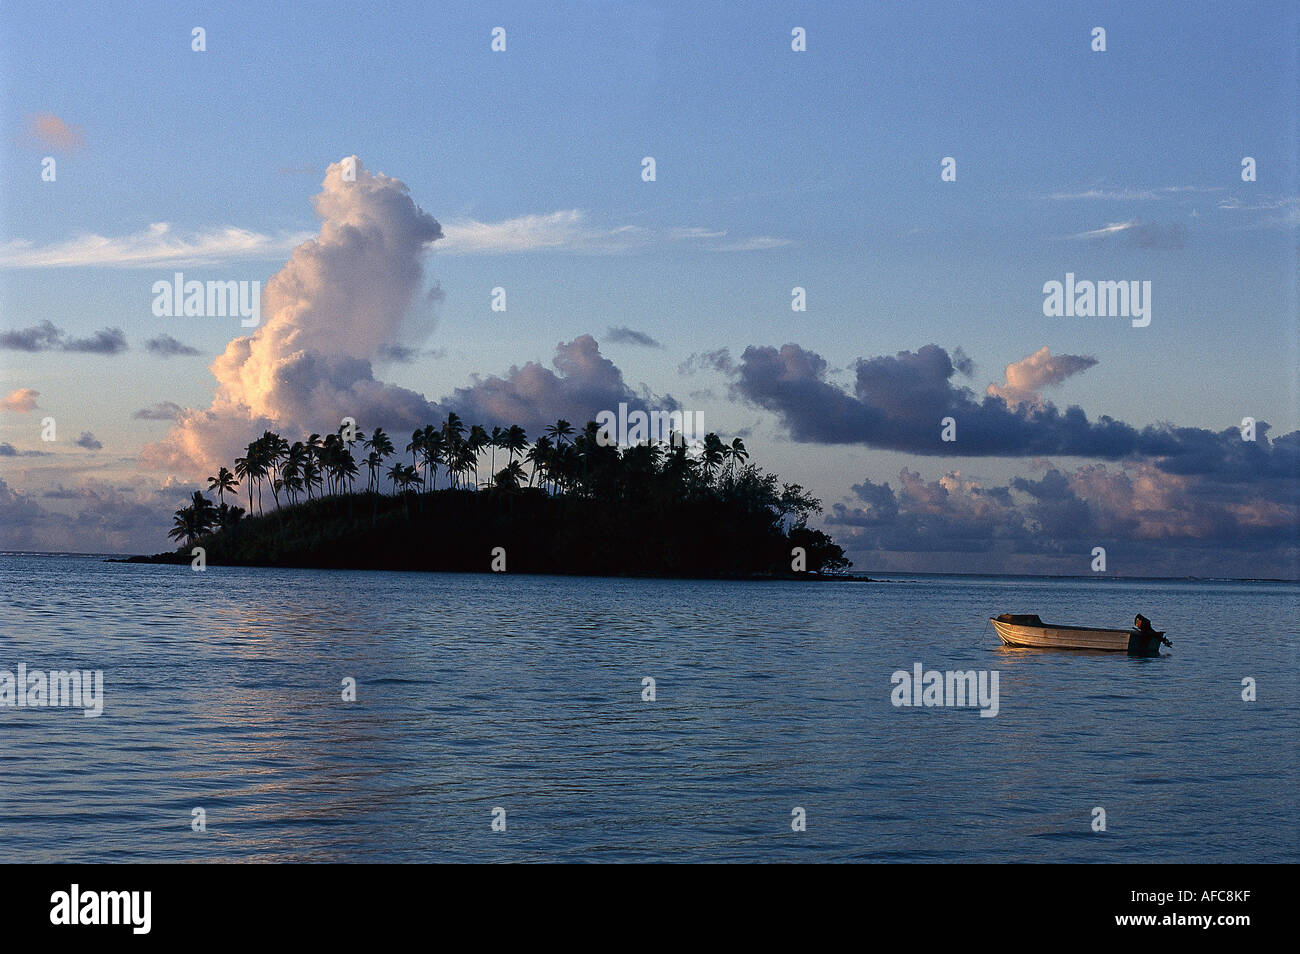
(569, 502)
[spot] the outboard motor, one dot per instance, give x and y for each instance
(1145, 641)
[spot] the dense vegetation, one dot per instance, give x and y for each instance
(564, 503)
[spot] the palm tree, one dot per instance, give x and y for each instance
(244, 471)
(396, 473)
(559, 431)
(509, 477)
(194, 521)
(433, 451)
(311, 476)
(714, 453)
(495, 439)
(515, 440)
(539, 455)
(736, 454)
(477, 440)
(291, 470)
(380, 447)
(452, 429)
(224, 481)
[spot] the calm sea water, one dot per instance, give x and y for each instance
(223, 691)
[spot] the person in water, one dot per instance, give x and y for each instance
(1144, 627)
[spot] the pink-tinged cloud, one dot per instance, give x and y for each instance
(49, 130)
(20, 401)
(339, 305)
(341, 297)
(1028, 376)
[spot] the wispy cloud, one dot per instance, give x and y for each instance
(566, 230)
(156, 245)
(1131, 195)
(625, 335)
(1141, 234)
(758, 243)
(570, 230)
(1122, 195)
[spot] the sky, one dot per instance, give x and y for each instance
(775, 169)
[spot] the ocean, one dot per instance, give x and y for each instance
(507, 718)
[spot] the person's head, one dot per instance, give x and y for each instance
(1139, 621)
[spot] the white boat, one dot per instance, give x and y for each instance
(1030, 631)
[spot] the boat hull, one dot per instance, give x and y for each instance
(1031, 633)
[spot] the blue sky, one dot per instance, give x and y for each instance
(774, 169)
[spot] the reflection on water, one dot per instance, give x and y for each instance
(223, 692)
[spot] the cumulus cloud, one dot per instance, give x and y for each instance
(46, 336)
(47, 129)
(899, 400)
(1151, 522)
(533, 395)
(20, 400)
(625, 335)
(165, 346)
(337, 306)
(1026, 377)
(342, 296)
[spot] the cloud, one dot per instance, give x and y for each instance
(1024, 378)
(340, 304)
(88, 441)
(625, 335)
(166, 346)
(533, 396)
(1117, 195)
(154, 246)
(47, 337)
(570, 230)
(8, 450)
(396, 353)
(1141, 234)
(340, 298)
(899, 401)
(565, 230)
(47, 129)
(162, 411)
(758, 243)
(1150, 522)
(20, 401)
(719, 360)
(104, 519)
